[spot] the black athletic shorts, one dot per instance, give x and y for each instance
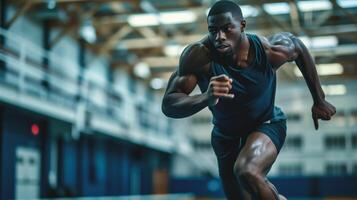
(227, 147)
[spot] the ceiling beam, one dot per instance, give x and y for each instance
(72, 26)
(25, 7)
(161, 61)
(113, 40)
(348, 14)
(154, 42)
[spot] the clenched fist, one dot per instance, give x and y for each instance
(219, 87)
(322, 110)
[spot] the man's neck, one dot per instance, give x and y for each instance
(241, 57)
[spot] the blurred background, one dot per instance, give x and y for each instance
(81, 84)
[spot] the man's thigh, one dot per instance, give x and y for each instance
(258, 153)
(261, 147)
(227, 151)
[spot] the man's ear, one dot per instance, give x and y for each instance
(243, 23)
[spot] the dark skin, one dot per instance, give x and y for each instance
(228, 45)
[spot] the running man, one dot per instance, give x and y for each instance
(236, 73)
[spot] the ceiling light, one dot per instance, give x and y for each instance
(87, 32)
(177, 17)
(277, 8)
(347, 3)
(320, 42)
(249, 11)
(173, 17)
(324, 41)
(338, 89)
(329, 69)
(324, 69)
(51, 4)
(306, 6)
(173, 50)
(143, 20)
(157, 83)
(142, 70)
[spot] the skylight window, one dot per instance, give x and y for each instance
(249, 11)
(320, 42)
(315, 5)
(347, 3)
(277, 8)
(338, 89)
(153, 19)
(324, 69)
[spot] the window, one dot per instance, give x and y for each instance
(296, 117)
(354, 141)
(335, 169)
(202, 120)
(354, 116)
(290, 169)
(143, 116)
(293, 142)
(335, 142)
(131, 84)
(339, 119)
(201, 144)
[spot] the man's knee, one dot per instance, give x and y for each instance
(248, 173)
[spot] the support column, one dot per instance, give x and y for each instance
(46, 46)
(2, 70)
(2, 39)
(82, 66)
(1, 149)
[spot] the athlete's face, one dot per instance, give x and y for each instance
(225, 32)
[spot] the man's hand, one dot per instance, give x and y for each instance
(323, 110)
(219, 87)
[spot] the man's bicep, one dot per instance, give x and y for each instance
(181, 83)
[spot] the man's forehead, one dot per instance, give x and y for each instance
(221, 18)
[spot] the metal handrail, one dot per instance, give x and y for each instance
(24, 59)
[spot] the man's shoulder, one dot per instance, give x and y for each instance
(279, 47)
(194, 58)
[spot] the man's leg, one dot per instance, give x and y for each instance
(227, 151)
(253, 163)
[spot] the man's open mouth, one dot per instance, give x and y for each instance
(222, 48)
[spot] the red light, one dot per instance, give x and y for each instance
(35, 129)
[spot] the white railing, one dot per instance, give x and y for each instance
(26, 73)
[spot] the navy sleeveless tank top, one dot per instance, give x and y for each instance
(254, 94)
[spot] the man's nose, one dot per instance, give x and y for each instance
(220, 36)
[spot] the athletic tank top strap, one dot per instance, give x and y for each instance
(261, 59)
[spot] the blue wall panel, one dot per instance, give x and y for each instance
(69, 167)
(16, 132)
(335, 186)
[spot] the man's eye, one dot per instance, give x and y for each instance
(228, 28)
(213, 31)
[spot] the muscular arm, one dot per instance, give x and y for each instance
(177, 103)
(285, 47)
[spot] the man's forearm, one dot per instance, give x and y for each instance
(307, 67)
(179, 105)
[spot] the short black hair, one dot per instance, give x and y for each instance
(224, 6)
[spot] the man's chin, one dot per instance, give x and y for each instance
(224, 54)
